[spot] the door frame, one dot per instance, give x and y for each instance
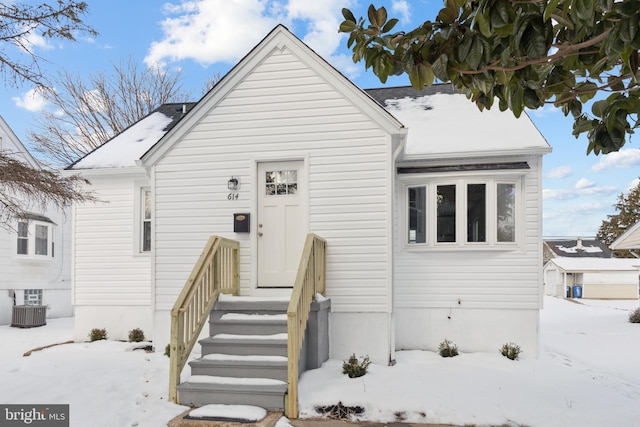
(255, 161)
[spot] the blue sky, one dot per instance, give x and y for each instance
(207, 37)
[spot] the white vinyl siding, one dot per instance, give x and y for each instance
(282, 110)
(106, 270)
(505, 275)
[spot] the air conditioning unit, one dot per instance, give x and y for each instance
(29, 316)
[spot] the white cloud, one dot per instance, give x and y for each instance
(210, 31)
(32, 100)
(402, 8)
(620, 159)
(588, 190)
(544, 111)
(633, 184)
(560, 172)
(584, 183)
(32, 38)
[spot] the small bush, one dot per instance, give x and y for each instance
(356, 368)
(510, 351)
(447, 349)
(634, 316)
(97, 334)
(167, 350)
(136, 335)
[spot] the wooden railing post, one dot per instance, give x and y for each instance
(307, 284)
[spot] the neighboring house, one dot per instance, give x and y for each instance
(431, 210)
(34, 251)
(629, 240)
(578, 248)
(596, 278)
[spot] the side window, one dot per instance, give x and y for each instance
(417, 215)
(23, 238)
(446, 213)
(506, 212)
(146, 216)
(476, 212)
(35, 238)
(42, 240)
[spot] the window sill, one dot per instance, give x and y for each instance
(512, 247)
(34, 258)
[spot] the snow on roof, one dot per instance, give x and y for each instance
(449, 124)
(597, 264)
(574, 249)
(128, 146)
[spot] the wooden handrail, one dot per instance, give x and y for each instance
(310, 280)
(215, 272)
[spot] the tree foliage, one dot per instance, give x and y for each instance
(522, 53)
(22, 187)
(85, 112)
(20, 23)
(627, 214)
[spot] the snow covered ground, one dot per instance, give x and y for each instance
(587, 374)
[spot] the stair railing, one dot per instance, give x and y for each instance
(217, 271)
(310, 280)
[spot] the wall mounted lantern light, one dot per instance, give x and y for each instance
(233, 184)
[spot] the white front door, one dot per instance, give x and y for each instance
(282, 221)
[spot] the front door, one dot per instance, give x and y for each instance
(282, 221)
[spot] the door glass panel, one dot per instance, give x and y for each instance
(281, 183)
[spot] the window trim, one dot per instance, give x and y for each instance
(31, 239)
(139, 219)
(431, 181)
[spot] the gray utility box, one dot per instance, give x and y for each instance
(29, 316)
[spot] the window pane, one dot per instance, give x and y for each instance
(23, 238)
(446, 213)
(42, 239)
(476, 212)
(417, 215)
(147, 204)
(146, 236)
(33, 297)
(506, 218)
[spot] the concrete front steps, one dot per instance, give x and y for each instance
(244, 360)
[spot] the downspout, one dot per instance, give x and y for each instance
(401, 139)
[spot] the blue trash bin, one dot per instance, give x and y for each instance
(577, 291)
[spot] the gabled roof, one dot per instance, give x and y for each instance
(577, 265)
(11, 144)
(630, 239)
(584, 248)
(126, 148)
(279, 38)
(443, 123)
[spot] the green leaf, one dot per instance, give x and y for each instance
(389, 25)
(347, 26)
(439, 67)
(534, 43)
(475, 53)
(599, 107)
(584, 9)
(550, 9)
(372, 14)
(448, 14)
(348, 15)
(381, 16)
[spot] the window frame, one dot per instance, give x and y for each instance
(33, 238)
(140, 219)
(462, 182)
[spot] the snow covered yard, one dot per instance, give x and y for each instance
(587, 374)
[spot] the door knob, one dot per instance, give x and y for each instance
(260, 234)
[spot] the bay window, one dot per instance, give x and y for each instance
(464, 212)
(35, 237)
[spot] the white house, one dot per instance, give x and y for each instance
(595, 278)
(34, 251)
(431, 210)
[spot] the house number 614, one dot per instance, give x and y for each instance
(232, 196)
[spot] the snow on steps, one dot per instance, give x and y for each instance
(244, 359)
